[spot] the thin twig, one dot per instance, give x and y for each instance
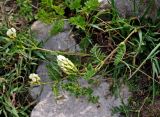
(142, 106)
(111, 54)
(145, 74)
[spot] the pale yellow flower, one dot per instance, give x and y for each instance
(35, 79)
(66, 65)
(11, 33)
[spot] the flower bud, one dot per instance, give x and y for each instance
(11, 33)
(66, 65)
(35, 79)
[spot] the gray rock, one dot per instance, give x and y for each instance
(69, 106)
(127, 8)
(61, 41)
(42, 30)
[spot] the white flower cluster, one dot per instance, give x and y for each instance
(11, 33)
(35, 79)
(66, 65)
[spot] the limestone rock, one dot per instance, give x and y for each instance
(127, 8)
(69, 106)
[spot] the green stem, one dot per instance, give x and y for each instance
(56, 52)
(151, 53)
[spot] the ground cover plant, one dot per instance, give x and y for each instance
(123, 50)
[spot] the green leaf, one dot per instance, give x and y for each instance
(155, 66)
(39, 55)
(46, 17)
(140, 43)
(85, 42)
(57, 26)
(59, 10)
(90, 5)
(55, 88)
(54, 71)
(120, 53)
(73, 4)
(79, 21)
(90, 72)
(47, 3)
(97, 55)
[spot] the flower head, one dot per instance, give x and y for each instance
(66, 65)
(100, 0)
(35, 79)
(11, 33)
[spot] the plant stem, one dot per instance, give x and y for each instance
(111, 54)
(149, 56)
(62, 52)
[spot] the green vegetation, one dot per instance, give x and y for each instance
(125, 50)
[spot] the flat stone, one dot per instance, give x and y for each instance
(42, 31)
(126, 8)
(69, 106)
